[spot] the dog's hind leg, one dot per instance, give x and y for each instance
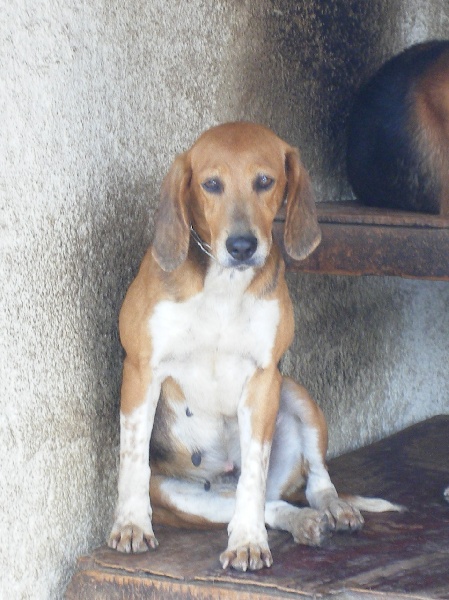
(180, 503)
(199, 504)
(307, 525)
(298, 459)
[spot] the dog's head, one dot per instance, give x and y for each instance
(228, 187)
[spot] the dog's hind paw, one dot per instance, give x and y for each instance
(343, 516)
(311, 527)
(248, 556)
(130, 537)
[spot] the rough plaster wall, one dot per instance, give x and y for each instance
(96, 99)
(373, 352)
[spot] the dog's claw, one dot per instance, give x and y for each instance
(252, 556)
(131, 538)
(343, 516)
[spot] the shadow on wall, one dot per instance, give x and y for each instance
(297, 72)
(119, 235)
(118, 232)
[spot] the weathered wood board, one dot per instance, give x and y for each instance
(358, 240)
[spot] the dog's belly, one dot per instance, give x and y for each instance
(199, 421)
(188, 442)
(210, 345)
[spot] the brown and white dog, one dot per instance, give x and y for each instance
(204, 325)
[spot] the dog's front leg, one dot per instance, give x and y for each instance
(248, 539)
(132, 530)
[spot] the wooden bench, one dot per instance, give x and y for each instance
(395, 556)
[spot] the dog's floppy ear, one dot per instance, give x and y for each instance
(172, 227)
(301, 232)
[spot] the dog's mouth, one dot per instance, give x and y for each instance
(243, 265)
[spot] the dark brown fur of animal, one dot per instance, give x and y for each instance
(398, 137)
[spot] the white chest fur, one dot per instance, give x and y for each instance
(212, 343)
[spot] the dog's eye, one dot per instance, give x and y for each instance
(213, 186)
(263, 183)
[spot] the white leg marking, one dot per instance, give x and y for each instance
(321, 493)
(248, 539)
(132, 529)
(343, 514)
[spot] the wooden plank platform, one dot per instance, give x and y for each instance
(359, 240)
(395, 556)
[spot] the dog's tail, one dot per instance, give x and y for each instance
(374, 505)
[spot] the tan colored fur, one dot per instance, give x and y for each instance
(431, 116)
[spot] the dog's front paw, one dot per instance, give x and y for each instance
(131, 537)
(247, 546)
(343, 516)
(446, 494)
(247, 556)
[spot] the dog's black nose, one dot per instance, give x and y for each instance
(241, 247)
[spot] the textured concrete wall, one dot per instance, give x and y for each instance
(373, 352)
(96, 98)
